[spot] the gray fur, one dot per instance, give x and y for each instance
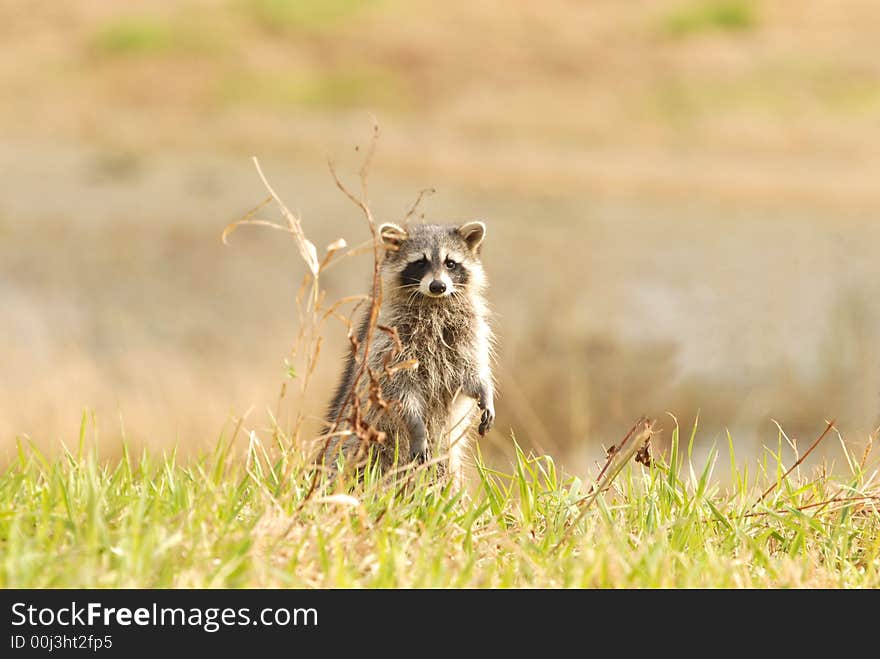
(430, 407)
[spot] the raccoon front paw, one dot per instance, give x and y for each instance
(487, 420)
(419, 456)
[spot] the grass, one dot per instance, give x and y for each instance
(711, 16)
(306, 15)
(143, 36)
(323, 90)
(240, 516)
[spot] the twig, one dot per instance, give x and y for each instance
(412, 211)
(798, 462)
(816, 504)
(614, 450)
(364, 171)
(306, 248)
(375, 299)
(620, 458)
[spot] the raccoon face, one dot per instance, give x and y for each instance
(432, 261)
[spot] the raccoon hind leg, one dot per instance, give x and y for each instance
(415, 428)
(418, 438)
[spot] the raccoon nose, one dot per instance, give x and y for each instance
(437, 287)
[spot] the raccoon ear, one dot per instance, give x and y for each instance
(392, 235)
(473, 234)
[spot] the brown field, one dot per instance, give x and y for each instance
(681, 198)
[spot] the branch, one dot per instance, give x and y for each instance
(616, 455)
(424, 192)
(798, 462)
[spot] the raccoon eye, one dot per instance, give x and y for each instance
(451, 265)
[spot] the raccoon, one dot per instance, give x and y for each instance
(433, 286)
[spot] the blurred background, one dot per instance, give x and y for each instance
(681, 197)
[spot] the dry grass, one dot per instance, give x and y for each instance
(671, 213)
